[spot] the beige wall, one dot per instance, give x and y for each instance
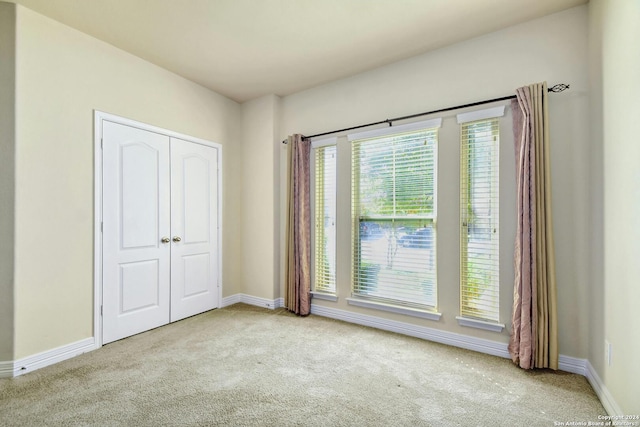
(554, 49)
(259, 197)
(7, 175)
(621, 110)
(62, 76)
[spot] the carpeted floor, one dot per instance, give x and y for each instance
(246, 366)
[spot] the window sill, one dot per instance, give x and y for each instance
(480, 324)
(324, 296)
(431, 315)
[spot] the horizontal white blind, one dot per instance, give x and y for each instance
(325, 219)
(479, 234)
(393, 208)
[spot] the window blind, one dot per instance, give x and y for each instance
(479, 233)
(325, 219)
(394, 217)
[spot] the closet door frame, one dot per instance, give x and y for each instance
(99, 118)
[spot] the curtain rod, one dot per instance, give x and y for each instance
(560, 87)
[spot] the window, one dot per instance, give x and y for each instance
(479, 249)
(325, 220)
(394, 216)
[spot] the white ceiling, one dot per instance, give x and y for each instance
(245, 49)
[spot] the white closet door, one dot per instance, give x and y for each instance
(194, 228)
(136, 217)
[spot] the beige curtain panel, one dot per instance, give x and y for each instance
(534, 336)
(298, 261)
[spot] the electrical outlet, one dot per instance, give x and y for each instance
(607, 352)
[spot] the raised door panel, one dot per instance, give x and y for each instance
(194, 229)
(136, 216)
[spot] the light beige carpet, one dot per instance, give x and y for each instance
(247, 366)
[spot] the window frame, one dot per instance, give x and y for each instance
(489, 320)
(420, 309)
(323, 292)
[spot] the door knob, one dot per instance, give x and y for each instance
(176, 238)
(165, 240)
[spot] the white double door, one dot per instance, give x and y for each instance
(160, 230)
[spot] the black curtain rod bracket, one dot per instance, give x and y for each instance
(560, 87)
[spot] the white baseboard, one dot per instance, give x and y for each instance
(6, 369)
(443, 337)
(573, 365)
(230, 300)
(259, 302)
(46, 358)
(607, 400)
(251, 300)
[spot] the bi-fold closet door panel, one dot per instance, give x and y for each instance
(160, 226)
(194, 195)
(136, 217)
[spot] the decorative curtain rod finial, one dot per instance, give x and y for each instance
(560, 87)
(286, 141)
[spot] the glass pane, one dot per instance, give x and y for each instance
(325, 211)
(397, 175)
(397, 260)
(479, 218)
